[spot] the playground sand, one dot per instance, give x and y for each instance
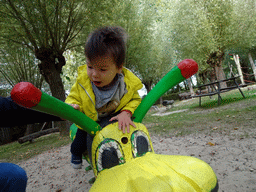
(232, 159)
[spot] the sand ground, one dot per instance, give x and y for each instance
(233, 160)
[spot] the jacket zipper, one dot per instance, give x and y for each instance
(89, 97)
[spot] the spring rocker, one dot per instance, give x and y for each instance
(133, 165)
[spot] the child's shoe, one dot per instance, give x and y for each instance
(92, 180)
(76, 162)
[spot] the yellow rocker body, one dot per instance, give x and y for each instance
(127, 162)
(139, 169)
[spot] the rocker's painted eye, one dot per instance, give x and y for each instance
(109, 154)
(140, 144)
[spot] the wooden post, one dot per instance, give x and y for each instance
(236, 59)
(253, 65)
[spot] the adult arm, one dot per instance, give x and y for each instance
(13, 114)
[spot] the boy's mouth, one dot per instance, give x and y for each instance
(97, 83)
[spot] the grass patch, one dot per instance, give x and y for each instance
(15, 152)
(228, 97)
(234, 115)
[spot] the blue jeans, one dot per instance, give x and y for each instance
(83, 141)
(103, 123)
(12, 178)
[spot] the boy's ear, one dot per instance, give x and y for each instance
(120, 69)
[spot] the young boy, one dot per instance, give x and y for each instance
(105, 91)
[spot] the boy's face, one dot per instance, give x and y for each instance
(102, 70)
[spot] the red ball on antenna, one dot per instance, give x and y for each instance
(188, 67)
(26, 94)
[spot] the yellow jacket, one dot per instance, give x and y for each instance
(82, 94)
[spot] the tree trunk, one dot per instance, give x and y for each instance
(148, 85)
(253, 65)
(36, 135)
(29, 129)
(63, 127)
(236, 58)
(212, 76)
(186, 85)
(5, 135)
(190, 87)
(220, 75)
(215, 61)
(231, 74)
(51, 68)
(52, 77)
(177, 88)
(161, 100)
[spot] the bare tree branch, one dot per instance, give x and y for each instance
(19, 17)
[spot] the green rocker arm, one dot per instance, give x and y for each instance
(179, 73)
(27, 95)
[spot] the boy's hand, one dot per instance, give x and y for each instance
(75, 106)
(124, 120)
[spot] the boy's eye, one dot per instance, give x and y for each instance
(103, 69)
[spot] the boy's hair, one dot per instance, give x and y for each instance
(107, 40)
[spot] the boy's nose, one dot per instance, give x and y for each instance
(95, 73)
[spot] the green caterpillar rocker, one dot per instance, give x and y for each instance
(135, 166)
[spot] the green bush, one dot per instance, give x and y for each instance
(171, 96)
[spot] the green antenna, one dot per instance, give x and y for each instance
(27, 95)
(179, 73)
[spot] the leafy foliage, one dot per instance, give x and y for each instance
(204, 27)
(161, 33)
(19, 64)
(38, 24)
